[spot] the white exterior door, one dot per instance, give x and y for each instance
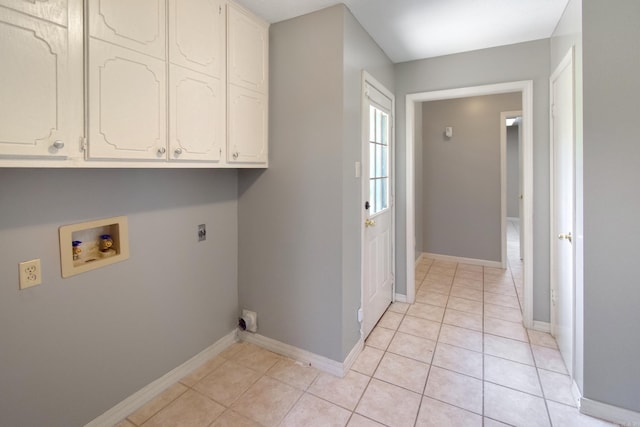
(563, 211)
(378, 246)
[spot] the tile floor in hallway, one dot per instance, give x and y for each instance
(457, 357)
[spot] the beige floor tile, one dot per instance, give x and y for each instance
(514, 407)
(557, 387)
(542, 339)
(465, 305)
(567, 416)
(192, 409)
(420, 327)
(504, 313)
(233, 419)
(506, 348)
(256, 358)
(549, 359)
(458, 359)
(232, 350)
(292, 373)
(437, 287)
(342, 391)
(438, 414)
(403, 372)
(426, 311)
(125, 423)
(426, 296)
(502, 300)
(411, 346)
(500, 288)
(488, 422)
(463, 320)
(368, 360)
(467, 293)
(456, 389)
(267, 401)
(380, 337)
(203, 371)
(399, 307)
(461, 337)
(389, 404)
(158, 403)
(472, 273)
(506, 329)
(358, 420)
(390, 320)
(469, 267)
(227, 383)
(311, 411)
(464, 282)
(512, 374)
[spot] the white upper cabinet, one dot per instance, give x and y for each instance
(196, 36)
(196, 114)
(139, 25)
(40, 81)
(247, 88)
(247, 50)
(127, 104)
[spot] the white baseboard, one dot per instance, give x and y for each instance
(400, 298)
(542, 326)
(607, 412)
(472, 261)
(319, 362)
(134, 402)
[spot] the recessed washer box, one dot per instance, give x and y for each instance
(89, 245)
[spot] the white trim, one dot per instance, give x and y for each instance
(138, 399)
(514, 219)
(575, 392)
(541, 326)
(320, 362)
(462, 260)
(400, 298)
(526, 88)
(604, 411)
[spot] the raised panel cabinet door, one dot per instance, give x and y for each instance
(248, 50)
(196, 35)
(248, 129)
(50, 10)
(196, 112)
(36, 92)
(127, 104)
(138, 25)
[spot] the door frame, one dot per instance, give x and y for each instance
(567, 61)
(525, 87)
(504, 115)
(368, 79)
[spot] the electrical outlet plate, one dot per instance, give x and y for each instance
(30, 273)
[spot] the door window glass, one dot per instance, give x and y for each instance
(378, 160)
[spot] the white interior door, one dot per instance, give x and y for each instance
(563, 211)
(378, 247)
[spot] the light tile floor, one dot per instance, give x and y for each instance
(457, 357)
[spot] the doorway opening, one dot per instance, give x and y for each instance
(525, 88)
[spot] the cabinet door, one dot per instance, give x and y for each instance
(127, 104)
(50, 10)
(138, 25)
(196, 35)
(248, 130)
(36, 92)
(196, 111)
(248, 50)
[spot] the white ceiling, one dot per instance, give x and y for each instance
(414, 29)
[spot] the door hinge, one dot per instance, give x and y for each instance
(360, 315)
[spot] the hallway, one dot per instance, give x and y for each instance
(457, 357)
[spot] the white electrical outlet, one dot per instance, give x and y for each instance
(30, 273)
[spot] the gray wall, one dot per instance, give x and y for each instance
(611, 60)
(513, 172)
(524, 61)
(299, 221)
(73, 348)
(461, 192)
